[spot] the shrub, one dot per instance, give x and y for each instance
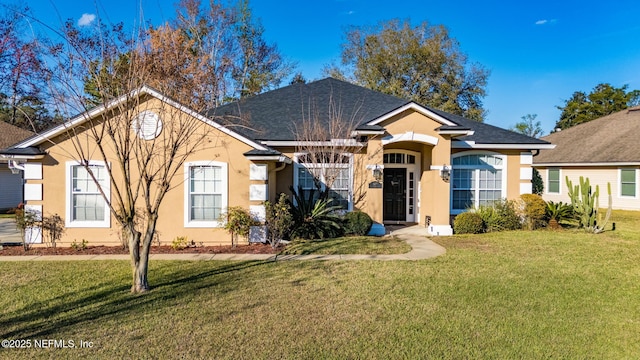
(500, 216)
(238, 222)
(278, 220)
(533, 210)
(314, 218)
(25, 221)
(357, 223)
(52, 229)
(557, 212)
(179, 243)
(468, 223)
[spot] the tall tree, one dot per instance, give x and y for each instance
(529, 126)
(23, 73)
(143, 166)
(422, 63)
(260, 66)
(603, 100)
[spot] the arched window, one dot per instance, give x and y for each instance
(477, 179)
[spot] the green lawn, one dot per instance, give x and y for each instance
(524, 295)
(368, 245)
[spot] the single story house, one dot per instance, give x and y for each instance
(400, 162)
(10, 183)
(604, 150)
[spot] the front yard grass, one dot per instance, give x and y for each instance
(368, 245)
(511, 295)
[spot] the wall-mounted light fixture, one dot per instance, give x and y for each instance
(376, 171)
(445, 173)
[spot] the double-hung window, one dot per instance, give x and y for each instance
(628, 182)
(477, 179)
(86, 205)
(332, 171)
(206, 193)
(553, 181)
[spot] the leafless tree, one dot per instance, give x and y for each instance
(327, 149)
(143, 140)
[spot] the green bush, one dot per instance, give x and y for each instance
(314, 218)
(468, 223)
(357, 223)
(533, 210)
(500, 216)
(278, 220)
(237, 221)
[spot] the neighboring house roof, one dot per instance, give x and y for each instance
(609, 139)
(275, 115)
(10, 134)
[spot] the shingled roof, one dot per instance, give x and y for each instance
(609, 139)
(10, 134)
(274, 115)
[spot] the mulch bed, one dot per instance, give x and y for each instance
(100, 250)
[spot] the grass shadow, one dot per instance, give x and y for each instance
(104, 301)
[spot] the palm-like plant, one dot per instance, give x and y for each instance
(557, 212)
(314, 217)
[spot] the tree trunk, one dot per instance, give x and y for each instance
(140, 254)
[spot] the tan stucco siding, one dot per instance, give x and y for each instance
(171, 224)
(599, 176)
(411, 120)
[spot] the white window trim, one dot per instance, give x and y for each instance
(188, 223)
(546, 188)
(106, 223)
(298, 165)
(476, 200)
(620, 184)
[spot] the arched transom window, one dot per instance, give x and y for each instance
(477, 179)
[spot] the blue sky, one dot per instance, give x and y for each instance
(538, 52)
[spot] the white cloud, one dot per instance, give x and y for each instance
(545, 21)
(86, 19)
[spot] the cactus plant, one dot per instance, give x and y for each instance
(585, 204)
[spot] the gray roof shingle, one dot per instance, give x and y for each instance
(274, 115)
(612, 138)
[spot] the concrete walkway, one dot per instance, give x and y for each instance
(8, 231)
(421, 248)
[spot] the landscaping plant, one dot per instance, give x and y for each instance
(278, 220)
(586, 204)
(468, 223)
(533, 210)
(26, 220)
(238, 222)
(314, 218)
(557, 212)
(357, 223)
(499, 216)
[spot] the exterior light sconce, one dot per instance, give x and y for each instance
(445, 173)
(377, 173)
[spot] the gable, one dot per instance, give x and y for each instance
(411, 121)
(91, 115)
